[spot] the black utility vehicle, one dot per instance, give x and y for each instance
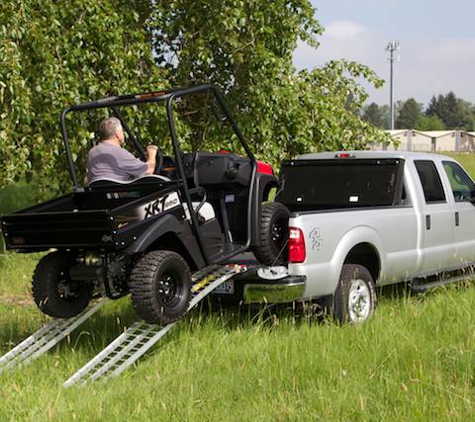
(147, 236)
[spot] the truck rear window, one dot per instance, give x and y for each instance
(341, 183)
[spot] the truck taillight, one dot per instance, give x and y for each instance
(297, 251)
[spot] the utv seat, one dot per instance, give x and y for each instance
(205, 213)
(149, 178)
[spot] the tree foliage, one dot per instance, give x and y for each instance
(246, 49)
(55, 54)
(444, 112)
(430, 123)
(454, 112)
(409, 114)
(376, 115)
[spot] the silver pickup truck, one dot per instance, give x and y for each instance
(365, 218)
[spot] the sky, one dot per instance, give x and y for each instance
(437, 44)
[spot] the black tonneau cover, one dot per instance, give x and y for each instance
(341, 183)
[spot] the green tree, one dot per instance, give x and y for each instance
(54, 54)
(467, 112)
(246, 49)
(430, 123)
(437, 107)
(408, 115)
(376, 115)
(454, 112)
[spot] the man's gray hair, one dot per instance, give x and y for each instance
(109, 127)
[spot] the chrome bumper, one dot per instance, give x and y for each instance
(288, 289)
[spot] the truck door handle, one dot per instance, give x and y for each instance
(428, 222)
(457, 219)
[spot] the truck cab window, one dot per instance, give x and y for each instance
(430, 181)
(460, 182)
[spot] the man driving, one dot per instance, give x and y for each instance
(109, 160)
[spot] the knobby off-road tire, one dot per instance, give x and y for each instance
(355, 297)
(272, 249)
(54, 292)
(160, 286)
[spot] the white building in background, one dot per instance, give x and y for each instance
(430, 141)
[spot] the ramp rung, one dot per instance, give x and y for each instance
(133, 343)
(45, 338)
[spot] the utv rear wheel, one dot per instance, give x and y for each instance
(272, 249)
(53, 290)
(160, 286)
(355, 296)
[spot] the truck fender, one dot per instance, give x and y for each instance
(356, 236)
(165, 224)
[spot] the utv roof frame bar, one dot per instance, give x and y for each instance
(151, 97)
(168, 97)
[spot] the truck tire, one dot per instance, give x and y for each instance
(54, 292)
(160, 286)
(355, 296)
(272, 248)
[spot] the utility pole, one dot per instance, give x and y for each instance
(392, 47)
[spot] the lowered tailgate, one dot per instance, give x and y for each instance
(56, 229)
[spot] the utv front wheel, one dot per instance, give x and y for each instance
(53, 290)
(355, 296)
(160, 286)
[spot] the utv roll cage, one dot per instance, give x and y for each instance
(168, 97)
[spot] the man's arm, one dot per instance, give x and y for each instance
(151, 159)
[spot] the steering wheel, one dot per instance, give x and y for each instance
(158, 163)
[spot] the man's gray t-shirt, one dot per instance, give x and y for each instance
(107, 161)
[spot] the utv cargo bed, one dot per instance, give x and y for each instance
(78, 221)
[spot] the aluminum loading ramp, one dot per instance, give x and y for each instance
(133, 343)
(45, 338)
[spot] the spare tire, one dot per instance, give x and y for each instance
(272, 248)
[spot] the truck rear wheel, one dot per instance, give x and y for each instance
(160, 286)
(272, 248)
(355, 296)
(53, 290)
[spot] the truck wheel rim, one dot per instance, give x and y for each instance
(359, 301)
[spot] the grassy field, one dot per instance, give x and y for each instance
(413, 360)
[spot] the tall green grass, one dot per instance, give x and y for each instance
(413, 360)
